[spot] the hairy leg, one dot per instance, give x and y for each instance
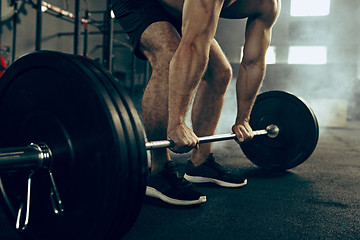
(209, 100)
(158, 42)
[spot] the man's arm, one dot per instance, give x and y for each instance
(200, 19)
(252, 68)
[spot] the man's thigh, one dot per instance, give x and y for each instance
(158, 38)
(159, 42)
(136, 16)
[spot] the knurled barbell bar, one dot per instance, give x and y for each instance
(271, 131)
(84, 173)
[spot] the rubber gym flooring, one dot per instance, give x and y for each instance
(319, 199)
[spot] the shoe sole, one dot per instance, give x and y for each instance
(152, 192)
(195, 179)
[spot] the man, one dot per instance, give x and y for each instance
(177, 37)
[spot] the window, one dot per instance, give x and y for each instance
(307, 55)
(303, 8)
(270, 57)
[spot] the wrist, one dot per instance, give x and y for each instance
(172, 125)
(241, 119)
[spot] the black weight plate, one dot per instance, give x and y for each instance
(44, 97)
(124, 217)
(134, 198)
(139, 134)
(298, 135)
(140, 158)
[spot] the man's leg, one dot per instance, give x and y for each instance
(202, 168)
(158, 43)
(209, 100)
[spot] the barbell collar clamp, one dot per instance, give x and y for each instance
(56, 202)
(23, 215)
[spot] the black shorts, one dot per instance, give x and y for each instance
(135, 16)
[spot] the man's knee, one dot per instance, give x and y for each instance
(219, 78)
(226, 73)
(161, 55)
(223, 74)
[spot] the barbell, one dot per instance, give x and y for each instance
(81, 173)
(271, 131)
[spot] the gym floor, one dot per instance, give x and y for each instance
(320, 199)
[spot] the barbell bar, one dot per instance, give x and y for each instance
(271, 131)
(84, 166)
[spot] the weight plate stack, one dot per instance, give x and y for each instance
(139, 158)
(52, 98)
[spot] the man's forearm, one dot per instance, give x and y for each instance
(186, 70)
(247, 86)
(188, 65)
